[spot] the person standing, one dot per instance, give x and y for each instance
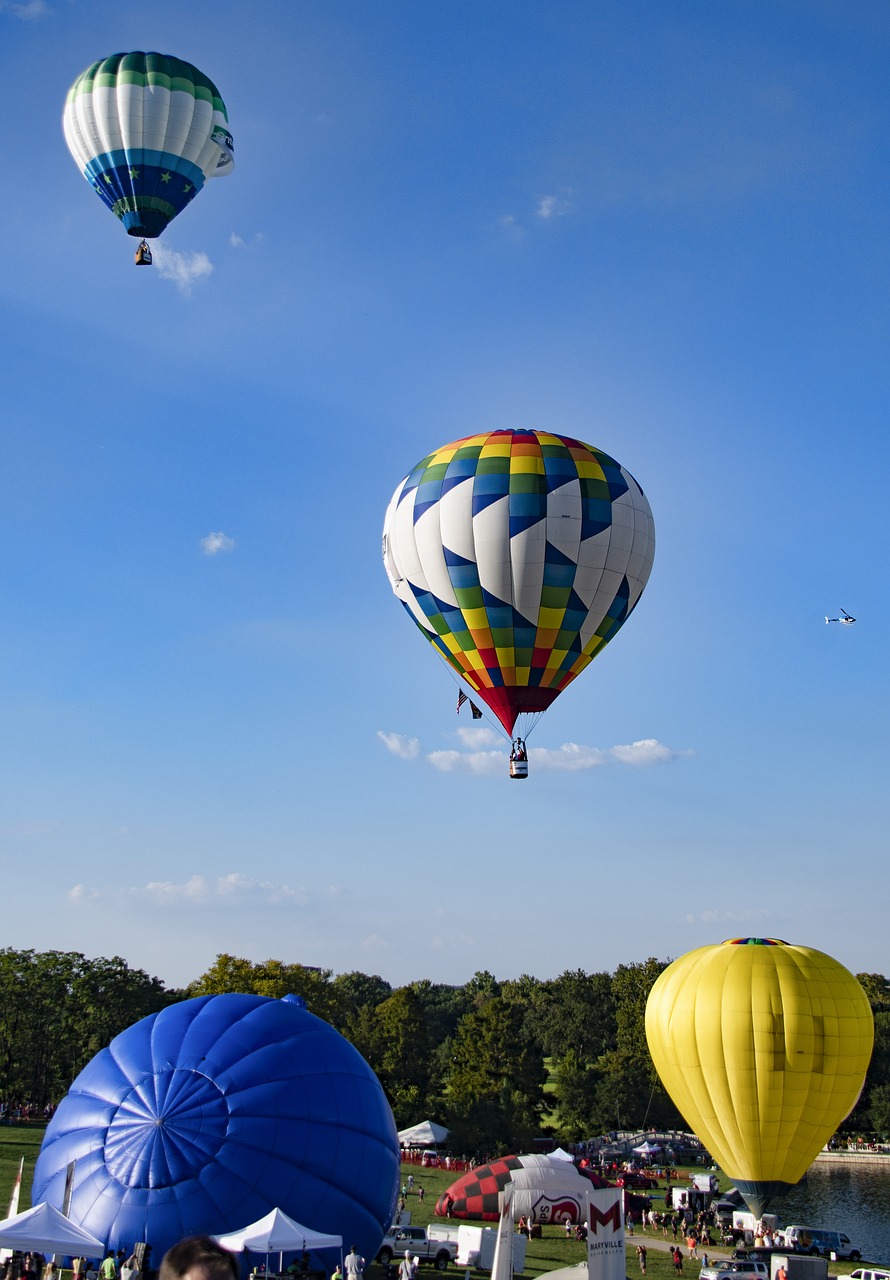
(641, 1256)
(107, 1269)
(355, 1264)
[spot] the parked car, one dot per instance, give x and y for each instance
(815, 1241)
(641, 1181)
(737, 1269)
(414, 1240)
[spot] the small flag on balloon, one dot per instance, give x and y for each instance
(477, 714)
(461, 699)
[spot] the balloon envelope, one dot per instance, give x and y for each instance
(553, 1190)
(764, 1049)
(146, 130)
(214, 1112)
(519, 554)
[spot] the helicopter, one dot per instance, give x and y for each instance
(846, 621)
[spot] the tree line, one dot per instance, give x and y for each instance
(501, 1063)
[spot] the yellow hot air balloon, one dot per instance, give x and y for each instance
(764, 1048)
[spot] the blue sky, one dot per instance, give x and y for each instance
(659, 228)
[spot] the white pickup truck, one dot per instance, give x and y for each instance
(414, 1240)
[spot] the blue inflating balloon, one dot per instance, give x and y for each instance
(204, 1117)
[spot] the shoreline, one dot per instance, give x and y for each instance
(865, 1158)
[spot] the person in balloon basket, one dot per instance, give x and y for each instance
(355, 1264)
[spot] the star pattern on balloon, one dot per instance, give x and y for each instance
(165, 117)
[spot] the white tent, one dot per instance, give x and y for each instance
(647, 1149)
(425, 1134)
(277, 1233)
(46, 1228)
(561, 1154)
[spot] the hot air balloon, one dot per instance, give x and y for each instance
(216, 1111)
(519, 554)
(764, 1048)
(146, 130)
(551, 1190)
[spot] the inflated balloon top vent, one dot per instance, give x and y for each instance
(755, 942)
(166, 1129)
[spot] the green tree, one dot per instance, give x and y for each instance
(575, 1012)
(356, 996)
(879, 1109)
(872, 1101)
(270, 978)
(576, 1083)
(57, 1009)
(631, 986)
(496, 1079)
(402, 1055)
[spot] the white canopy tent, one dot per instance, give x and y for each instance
(561, 1154)
(647, 1149)
(425, 1134)
(46, 1228)
(277, 1233)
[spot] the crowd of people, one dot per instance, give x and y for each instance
(14, 1112)
(34, 1265)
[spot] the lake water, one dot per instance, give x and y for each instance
(854, 1199)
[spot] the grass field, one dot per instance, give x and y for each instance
(548, 1253)
(17, 1140)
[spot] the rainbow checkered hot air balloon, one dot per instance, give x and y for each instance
(519, 554)
(146, 131)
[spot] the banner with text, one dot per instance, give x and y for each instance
(605, 1234)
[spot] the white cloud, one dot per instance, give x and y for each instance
(482, 751)
(234, 889)
(556, 206)
(238, 242)
(646, 751)
(399, 745)
(25, 9)
(484, 762)
(569, 756)
(214, 543)
(475, 736)
(182, 268)
(511, 227)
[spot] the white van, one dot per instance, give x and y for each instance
(867, 1274)
(815, 1241)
